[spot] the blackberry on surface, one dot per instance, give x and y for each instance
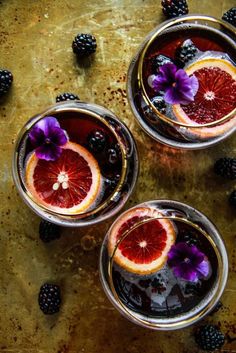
(174, 8)
(48, 231)
(66, 97)
(159, 104)
(209, 338)
(84, 45)
(49, 298)
(226, 167)
(159, 61)
(232, 198)
(185, 52)
(6, 79)
(230, 16)
(97, 141)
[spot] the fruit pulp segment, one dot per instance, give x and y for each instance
(216, 96)
(142, 249)
(144, 244)
(69, 184)
(53, 179)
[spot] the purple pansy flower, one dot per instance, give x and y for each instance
(179, 88)
(47, 137)
(188, 262)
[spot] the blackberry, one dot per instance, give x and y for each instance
(185, 52)
(232, 198)
(158, 285)
(48, 231)
(97, 141)
(209, 338)
(226, 167)
(49, 298)
(174, 8)
(114, 153)
(84, 45)
(144, 283)
(112, 183)
(159, 104)
(190, 238)
(159, 61)
(112, 156)
(192, 288)
(6, 79)
(230, 16)
(66, 97)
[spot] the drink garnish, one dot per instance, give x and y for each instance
(216, 96)
(47, 137)
(144, 250)
(69, 185)
(188, 262)
(177, 85)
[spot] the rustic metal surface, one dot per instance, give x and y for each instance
(35, 39)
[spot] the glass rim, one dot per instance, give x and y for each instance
(69, 106)
(160, 30)
(219, 284)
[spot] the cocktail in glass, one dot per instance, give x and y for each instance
(75, 164)
(163, 265)
(204, 47)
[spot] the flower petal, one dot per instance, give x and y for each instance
(187, 262)
(168, 71)
(203, 268)
(194, 84)
(165, 78)
(160, 83)
(58, 136)
(196, 255)
(47, 136)
(48, 152)
(178, 87)
(36, 136)
(185, 272)
(47, 124)
(172, 96)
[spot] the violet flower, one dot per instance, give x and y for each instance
(188, 262)
(47, 137)
(179, 88)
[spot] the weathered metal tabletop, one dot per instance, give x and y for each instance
(35, 38)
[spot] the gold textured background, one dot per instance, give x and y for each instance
(35, 44)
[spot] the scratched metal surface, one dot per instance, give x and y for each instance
(35, 38)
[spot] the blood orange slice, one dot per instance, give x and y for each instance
(69, 185)
(144, 250)
(216, 97)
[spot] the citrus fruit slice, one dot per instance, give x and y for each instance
(144, 250)
(69, 185)
(216, 97)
